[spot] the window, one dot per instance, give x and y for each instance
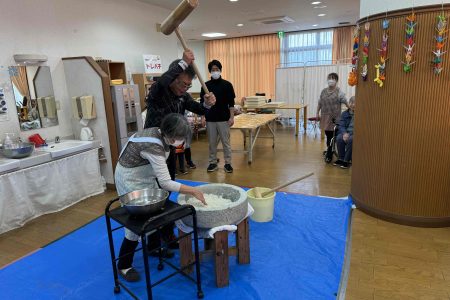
(314, 47)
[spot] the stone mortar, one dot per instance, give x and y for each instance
(207, 218)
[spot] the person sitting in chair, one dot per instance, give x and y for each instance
(345, 136)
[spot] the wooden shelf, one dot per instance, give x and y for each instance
(115, 70)
(143, 82)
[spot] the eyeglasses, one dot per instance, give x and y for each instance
(184, 84)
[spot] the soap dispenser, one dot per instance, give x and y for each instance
(9, 140)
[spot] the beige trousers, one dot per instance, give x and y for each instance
(219, 131)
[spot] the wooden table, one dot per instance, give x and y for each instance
(297, 108)
(250, 125)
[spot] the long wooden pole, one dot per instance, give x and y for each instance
(194, 66)
(286, 184)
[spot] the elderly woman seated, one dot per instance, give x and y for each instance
(345, 136)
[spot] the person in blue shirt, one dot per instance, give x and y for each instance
(345, 136)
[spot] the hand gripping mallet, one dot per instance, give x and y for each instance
(171, 24)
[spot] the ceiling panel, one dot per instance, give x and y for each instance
(223, 15)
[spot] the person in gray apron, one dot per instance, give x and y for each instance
(142, 164)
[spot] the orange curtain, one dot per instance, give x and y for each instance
(19, 79)
(249, 63)
(342, 43)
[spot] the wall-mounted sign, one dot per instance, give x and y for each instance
(152, 63)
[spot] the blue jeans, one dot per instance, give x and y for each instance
(344, 148)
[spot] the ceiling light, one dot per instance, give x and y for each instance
(234, 0)
(322, 6)
(313, 3)
(239, 25)
(315, 25)
(321, 15)
(213, 34)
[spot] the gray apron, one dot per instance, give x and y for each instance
(132, 179)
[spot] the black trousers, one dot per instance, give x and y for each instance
(172, 163)
(126, 254)
(188, 155)
(329, 135)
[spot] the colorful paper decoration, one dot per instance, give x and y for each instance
(353, 76)
(365, 55)
(410, 24)
(381, 66)
(441, 29)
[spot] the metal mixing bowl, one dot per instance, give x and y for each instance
(18, 150)
(144, 202)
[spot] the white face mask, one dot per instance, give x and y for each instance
(331, 82)
(177, 143)
(215, 75)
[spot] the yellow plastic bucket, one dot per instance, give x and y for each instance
(263, 206)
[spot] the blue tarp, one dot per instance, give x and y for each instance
(299, 255)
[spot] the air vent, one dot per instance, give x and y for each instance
(273, 20)
(344, 23)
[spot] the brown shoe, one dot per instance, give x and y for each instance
(130, 275)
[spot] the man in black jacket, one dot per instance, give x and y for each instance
(169, 95)
(220, 117)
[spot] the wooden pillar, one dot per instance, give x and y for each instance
(401, 144)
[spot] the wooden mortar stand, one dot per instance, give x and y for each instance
(218, 248)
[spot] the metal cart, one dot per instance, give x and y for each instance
(142, 227)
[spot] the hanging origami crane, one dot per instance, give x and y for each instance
(365, 55)
(441, 29)
(352, 76)
(381, 66)
(410, 24)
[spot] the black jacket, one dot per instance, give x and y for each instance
(224, 92)
(161, 101)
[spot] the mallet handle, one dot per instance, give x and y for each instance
(194, 66)
(285, 184)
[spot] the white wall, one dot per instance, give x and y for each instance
(198, 48)
(371, 7)
(83, 80)
(114, 29)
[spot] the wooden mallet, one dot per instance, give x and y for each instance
(171, 24)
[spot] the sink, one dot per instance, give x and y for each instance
(66, 147)
(7, 164)
(36, 158)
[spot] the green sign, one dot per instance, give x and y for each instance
(280, 34)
